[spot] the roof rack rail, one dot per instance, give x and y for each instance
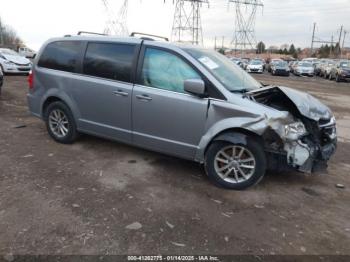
(90, 33)
(150, 36)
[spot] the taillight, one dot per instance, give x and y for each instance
(31, 80)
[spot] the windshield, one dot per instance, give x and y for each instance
(305, 64)
(229, 74)
(275, 61)
(281, 64)
(345, 64)
(8, 52)
(256, 62)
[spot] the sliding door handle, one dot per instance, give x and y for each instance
(144, 97)
(120, 93)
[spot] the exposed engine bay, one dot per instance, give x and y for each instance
(308, 143)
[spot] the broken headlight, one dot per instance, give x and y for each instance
(294, 131)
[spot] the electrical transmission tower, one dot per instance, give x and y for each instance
(116, 24)
(187, 24)
(244, 36)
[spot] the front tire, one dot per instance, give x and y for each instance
(236, 165)
(60, 123)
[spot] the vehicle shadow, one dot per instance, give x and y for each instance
(175, 168)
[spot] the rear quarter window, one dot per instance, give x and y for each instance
(62, 55)
(109, 60)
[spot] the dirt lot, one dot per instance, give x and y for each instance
(102, 197)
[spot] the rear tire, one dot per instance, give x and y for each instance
(238, 174)
(60, 123)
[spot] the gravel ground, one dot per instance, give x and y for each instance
(102, 197)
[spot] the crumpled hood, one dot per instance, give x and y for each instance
(17, 59)
(307, 105)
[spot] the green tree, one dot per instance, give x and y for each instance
(337, 50)
(260, 48)
(221, 51)
(324, 51)
(292, 50)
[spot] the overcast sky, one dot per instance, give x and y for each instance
(279, 22)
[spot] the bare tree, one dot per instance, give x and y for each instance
(8, 36)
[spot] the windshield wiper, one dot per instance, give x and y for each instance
(240, 91)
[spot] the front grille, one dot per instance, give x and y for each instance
(24, 69)
(22, 64)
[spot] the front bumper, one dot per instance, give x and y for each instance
(281, 72)
(305, 73)
(18, 69)
(344, 76)
(310, 151)
(253, 70)
(308, 154)
(302, 158)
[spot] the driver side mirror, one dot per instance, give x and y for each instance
(195, 87)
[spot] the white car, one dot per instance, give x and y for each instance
(26, 52)
(304, 69)
(12, 62)
(255, 66)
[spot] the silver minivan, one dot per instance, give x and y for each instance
(184, 101)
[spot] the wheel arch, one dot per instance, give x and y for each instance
(233, 135)
(53, 97)
(49, 100)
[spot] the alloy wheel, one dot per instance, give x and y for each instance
(58, 123)
(235, 164)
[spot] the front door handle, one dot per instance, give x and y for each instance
(144, 97)
(120, 93)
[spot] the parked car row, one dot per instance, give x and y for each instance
(256, 65)
(333, 70)
(338, 70)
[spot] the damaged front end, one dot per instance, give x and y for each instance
(308, 141)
